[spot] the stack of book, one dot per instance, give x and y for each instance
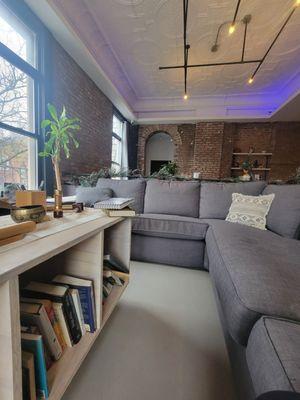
(110, 280)
(54, 316)
(117, 207)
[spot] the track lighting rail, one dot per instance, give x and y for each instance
(246, 20)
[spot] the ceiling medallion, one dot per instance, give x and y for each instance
(232, 26)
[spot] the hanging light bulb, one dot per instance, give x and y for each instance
(250, 80)
(231, 29)
(185, 97)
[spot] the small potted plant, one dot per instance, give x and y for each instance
(60, 133)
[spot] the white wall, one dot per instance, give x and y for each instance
(160, 146)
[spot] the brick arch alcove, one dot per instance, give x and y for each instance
(145, 132)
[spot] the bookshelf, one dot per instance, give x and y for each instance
(73, 246)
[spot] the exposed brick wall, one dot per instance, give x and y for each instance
(83, 99)
(286, 153)
(207, 147)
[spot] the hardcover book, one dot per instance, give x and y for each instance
(28, 373)
(112, 263)
(86, 294)
(59, 314)
(35, 314)
(58, 294)
(51, 315)
(78, 308)
(33, 343)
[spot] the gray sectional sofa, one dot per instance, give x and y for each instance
(256, 273)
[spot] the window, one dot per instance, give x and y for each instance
(19, 89)
(117, 143)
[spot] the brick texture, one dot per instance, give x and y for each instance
(207, 147)
(83, 99)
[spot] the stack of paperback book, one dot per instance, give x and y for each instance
(111, 278)
(54, 316)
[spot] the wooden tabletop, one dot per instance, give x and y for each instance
(49, 239)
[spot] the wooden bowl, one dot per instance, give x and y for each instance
(28, 213)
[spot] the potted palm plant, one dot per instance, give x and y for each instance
(59, 130)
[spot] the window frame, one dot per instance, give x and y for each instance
(117, 115)
(41, 77)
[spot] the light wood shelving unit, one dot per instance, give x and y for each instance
(74, 246)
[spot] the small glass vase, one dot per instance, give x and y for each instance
(58, 210)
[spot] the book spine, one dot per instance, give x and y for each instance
(71, 317)
(56, 327)
(77, 304)
(36, 346)
(58, 311)
(41, 320)
(50, 336)
(86, 300)
(44, 392)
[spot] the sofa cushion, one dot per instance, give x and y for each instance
(126, 188)
(91, 195)
(255, 273)
(273, 355)
(169, 226)
(284, 215)
(216, 197)
(172, 197)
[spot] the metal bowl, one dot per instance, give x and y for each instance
(28, 213)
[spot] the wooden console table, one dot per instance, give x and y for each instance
(72, 245)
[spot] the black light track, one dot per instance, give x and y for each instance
(246, 21)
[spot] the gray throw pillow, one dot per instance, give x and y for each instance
(91, 195)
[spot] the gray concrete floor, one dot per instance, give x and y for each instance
(163, 342)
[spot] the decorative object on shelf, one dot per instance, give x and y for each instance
(28, 213)
(247, 171)
(60, 137)
(232, 27)
(58, 210)
(255, 164)
(30, 198)
(251, 150)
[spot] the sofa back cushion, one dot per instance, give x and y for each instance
(284, 214)
(126, 188)
(216, 197)
(172, 197)
(91, 195)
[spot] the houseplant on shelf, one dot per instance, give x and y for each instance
(60, 133)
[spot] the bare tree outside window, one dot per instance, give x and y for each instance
(16, 105)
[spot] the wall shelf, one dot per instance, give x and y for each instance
(253, 169)
(252, 154)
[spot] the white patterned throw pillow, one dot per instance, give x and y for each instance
(250, 210)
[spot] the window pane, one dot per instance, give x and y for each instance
(117, 126)
(16, 36)
(17, 159)
(16, 97)
(116, 151)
